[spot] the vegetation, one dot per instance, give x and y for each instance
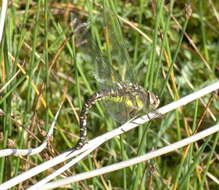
(173, 48)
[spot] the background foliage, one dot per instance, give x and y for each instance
(47, 61)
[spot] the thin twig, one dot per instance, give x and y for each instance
(133, 161)
(2, 19)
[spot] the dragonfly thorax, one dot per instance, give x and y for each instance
(133, 96)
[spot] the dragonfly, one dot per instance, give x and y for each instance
(114, 73)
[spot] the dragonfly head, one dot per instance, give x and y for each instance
(154, 100)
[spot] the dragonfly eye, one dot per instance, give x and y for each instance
(154, 100)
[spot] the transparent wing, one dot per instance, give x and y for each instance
(118, 111)
(114, 64)
(117, 47)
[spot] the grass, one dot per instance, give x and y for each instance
(171, 52)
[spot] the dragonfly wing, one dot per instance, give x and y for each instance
(112, 63)
(118, 111)
(120, 61)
